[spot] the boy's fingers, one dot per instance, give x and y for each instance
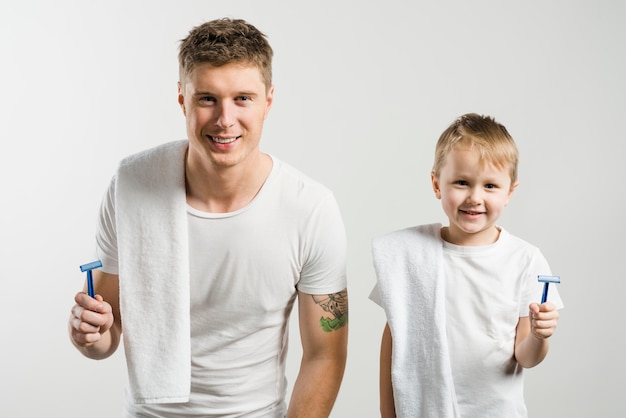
(547, 307)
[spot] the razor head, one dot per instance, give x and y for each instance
(90, 266)
(549, 279)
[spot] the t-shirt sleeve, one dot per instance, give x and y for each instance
(375, 295)
(106, 233)
(324, 267)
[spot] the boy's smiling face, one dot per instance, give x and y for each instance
(473, 194)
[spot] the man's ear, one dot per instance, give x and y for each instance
(435, 182)
(181, 99)
(269, 100)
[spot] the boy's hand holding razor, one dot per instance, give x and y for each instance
(543, 319)
(544, 316)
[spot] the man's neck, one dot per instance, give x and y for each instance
(225, 189)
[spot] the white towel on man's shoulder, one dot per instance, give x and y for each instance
(410, 285)
(151, 221)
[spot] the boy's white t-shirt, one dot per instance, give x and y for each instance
(246, 267)
(488, 289)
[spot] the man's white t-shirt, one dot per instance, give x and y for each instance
(246, 268)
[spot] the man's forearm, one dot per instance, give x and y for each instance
(101, 349)
(316, 388)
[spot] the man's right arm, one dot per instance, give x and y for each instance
(95, 325)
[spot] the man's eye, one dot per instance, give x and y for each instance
(243, 98)
(207, 99)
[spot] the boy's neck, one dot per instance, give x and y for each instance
(464, 239)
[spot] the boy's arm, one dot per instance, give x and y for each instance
(324, 333)
(387, 405)
(533, 332)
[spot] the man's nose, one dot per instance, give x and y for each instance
(226, 116)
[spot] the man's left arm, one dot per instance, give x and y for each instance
(324, 335)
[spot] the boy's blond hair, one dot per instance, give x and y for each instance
(226, 41)
(484, 134)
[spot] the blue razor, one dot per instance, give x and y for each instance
(546, 280)
(88, 267)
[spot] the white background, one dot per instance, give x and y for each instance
(363, 90)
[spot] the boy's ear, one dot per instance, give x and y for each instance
(435, 182)
(511, 190)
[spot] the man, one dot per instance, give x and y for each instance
(205, 246)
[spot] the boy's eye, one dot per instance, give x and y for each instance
(491, 186)
(461, 182)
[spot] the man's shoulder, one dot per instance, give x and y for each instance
(299, 181)
(162, 152)
(158, 168)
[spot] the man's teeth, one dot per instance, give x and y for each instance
(223, 140)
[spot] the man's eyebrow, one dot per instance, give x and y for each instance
(247, 93)
(238, 94)
(203, 93)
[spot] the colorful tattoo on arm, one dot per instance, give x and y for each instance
(335, 304)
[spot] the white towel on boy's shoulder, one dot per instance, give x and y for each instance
(151, 222)
(410, 288)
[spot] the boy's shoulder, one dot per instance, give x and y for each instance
(516, 244)
(425, 231)
(408, 243)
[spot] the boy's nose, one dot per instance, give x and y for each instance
(474, 197)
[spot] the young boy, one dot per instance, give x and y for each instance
(463, 318)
